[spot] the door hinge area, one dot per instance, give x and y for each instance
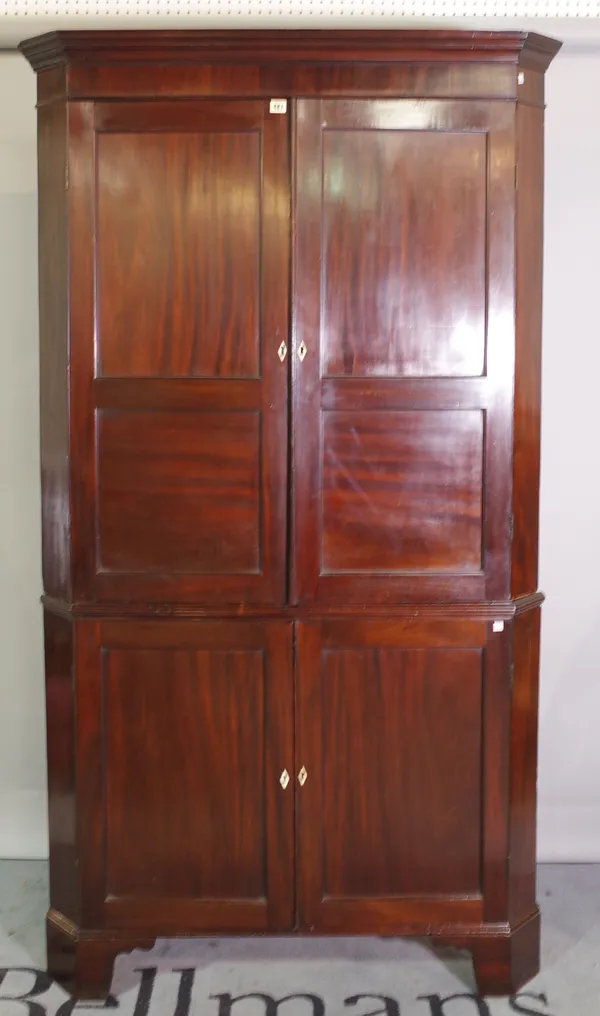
(511, 526)
(516, 178)
(66, 175)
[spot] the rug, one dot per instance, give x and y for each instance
(310, 977)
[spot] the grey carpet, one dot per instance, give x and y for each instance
(302, 977)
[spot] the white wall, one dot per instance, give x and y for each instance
(22, 732)
(570, 536)
(569, 813)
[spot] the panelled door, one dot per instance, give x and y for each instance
(403, 349)
(185, 774)
(183, 296)
(401, 726)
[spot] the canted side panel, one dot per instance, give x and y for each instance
(523, 764)
(184, 760)
(402, 491)
(398, 791)
(400, 241)
(54, 394)
(529, 253)
(52, 85)
(179, 492)
(178, 253)
(531, 88)
(60, 741)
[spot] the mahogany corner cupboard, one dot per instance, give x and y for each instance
(290, 309)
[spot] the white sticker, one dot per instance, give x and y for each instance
(278, 106)
(498, 626)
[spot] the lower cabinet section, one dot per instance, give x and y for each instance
(270, 776)
(184, 729)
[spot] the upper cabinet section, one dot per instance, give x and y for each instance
(205, 441)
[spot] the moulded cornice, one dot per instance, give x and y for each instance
(527, 49)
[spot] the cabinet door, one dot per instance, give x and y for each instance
(402, 809)
(404, 340)
(180, 234)
(184, 730)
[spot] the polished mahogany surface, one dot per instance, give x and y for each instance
(170, 189)
(180, 312)
(402, 405)
(160, 508)
(524, 743)
(290, 361)
(62, 777)
(371, 695)
(208, 691)
(187, 815)
(411, 236)
(54, 377)
(528, 338)
(378, 473)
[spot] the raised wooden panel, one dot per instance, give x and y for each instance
(403, 248)
(185, 728)
(402, 491)
(178, 253)
(385, 815)
(390, 733)
(179, 492)
(199, 794)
